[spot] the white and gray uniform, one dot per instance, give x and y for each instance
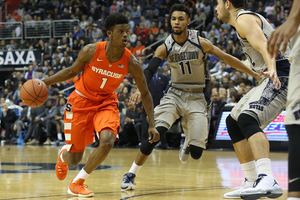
(186, 98)
(263, 102)
(293, 100)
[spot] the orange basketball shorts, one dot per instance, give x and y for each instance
(82, 116)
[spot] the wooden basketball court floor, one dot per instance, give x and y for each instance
(27, 172)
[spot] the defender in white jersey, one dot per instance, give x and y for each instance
(292, 119)
(260, 105)
(184, 50)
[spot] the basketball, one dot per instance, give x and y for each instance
(34, 93)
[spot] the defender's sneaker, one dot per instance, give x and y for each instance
(79, 189)
(128, 182)
(184, 153)
(236, 193)
(264, 186)
(61, 168)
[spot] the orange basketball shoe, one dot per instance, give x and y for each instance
(79, 189)
(61, 168)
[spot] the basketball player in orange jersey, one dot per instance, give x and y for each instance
(93, 105)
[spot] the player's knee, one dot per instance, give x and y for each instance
(107, 139)
(196, 152)
(146, 147)
(248, 125)
(233, 130)
(74, 161)
(106, 144)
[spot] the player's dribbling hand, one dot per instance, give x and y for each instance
(272, 75)
(281, 34)
(153, 135)
(136, 97)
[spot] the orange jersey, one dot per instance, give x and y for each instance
(138, 51)
(101, 78)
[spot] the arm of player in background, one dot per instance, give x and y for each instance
(208, 47)
(135, 69)
(159, 56)
(85, 56)
(247, 27)
(285, 32)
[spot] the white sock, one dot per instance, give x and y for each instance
(293, 198)
(82, 174)
(59, 136)
(135, 168)
(264, 166)
(250, 171)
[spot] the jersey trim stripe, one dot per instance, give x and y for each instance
(183, 42)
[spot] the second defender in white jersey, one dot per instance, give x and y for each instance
(281, 37)
(184, 50)
(293, 102)
(259, 106)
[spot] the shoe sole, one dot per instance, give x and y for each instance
(232, 197)
(258, 196)
(253, 196)
(274, 196)
(79, 195)
(128, 188)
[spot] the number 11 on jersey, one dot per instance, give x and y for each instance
(187, 64)
(104, 80)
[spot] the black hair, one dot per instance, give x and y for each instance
(180, 7)
(54, 92)
(114, 19)
(236, 3)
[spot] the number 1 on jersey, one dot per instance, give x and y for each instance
(104, 80)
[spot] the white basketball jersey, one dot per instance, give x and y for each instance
(256, 59)
(185, 61)
(295, 43)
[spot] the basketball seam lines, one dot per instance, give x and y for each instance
(40, 90)
(37, 95)
(35, 98)
(28, 92)
(40, 93)
(34, 88)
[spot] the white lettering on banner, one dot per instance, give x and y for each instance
(30, 57)
(1, 59)
(106, 73)
(9, 58)
(20, 59)
(17, 57)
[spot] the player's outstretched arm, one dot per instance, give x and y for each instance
(208, 47)
(285, 32)
(135, 69)
(85, 56)
(248, 27)
(159, 56)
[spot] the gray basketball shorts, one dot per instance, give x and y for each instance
(293, 100)
(263, 102)
(194, 111)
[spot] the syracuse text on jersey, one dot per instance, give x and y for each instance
(106, 72)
